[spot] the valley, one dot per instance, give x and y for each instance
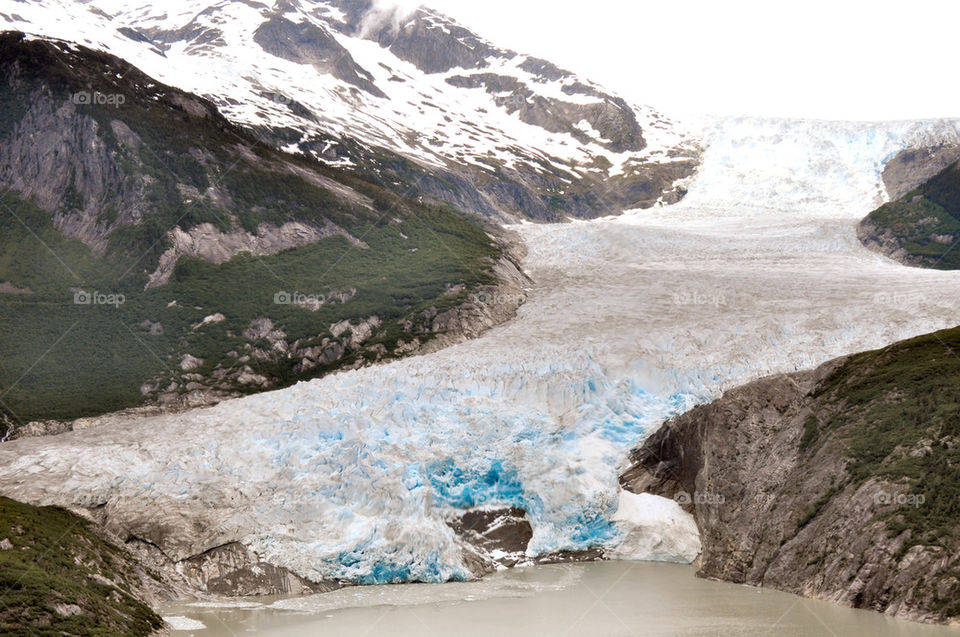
(320, 312)
(628, 320)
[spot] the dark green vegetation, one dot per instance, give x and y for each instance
(58, 577)
(167, 159)
(93, 359)
(897, 410)
(924, 224)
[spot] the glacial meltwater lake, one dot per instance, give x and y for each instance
(596, 599)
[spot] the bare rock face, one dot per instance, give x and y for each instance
(206, 241)
(310, 44)
(884, 241)
(230, 570)
(497, 538)
(493, 537)
(913, 166)
(56, 157)
(779, 504)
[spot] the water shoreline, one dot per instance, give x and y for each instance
(609, 598)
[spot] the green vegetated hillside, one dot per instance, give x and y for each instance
(897, 412)
(58, 577)
(921, 228)
(90, 194)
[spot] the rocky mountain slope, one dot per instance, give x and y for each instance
(153, 252)
(918, 225)
(922, 227)
(838, 483)
(409, 98)
(60, 577)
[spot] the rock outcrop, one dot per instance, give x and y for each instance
(913, 166)
(206, 241)
(497, 538)
(228, 570)
(826, 483)
(920, 226)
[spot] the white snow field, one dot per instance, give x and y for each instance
(420, 115)
(631, 319)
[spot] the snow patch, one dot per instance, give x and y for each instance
(654, 529)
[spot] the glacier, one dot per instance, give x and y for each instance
(629, 320)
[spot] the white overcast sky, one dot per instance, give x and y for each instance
(834, 59)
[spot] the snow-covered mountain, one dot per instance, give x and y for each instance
(491, 130)
(356, 475)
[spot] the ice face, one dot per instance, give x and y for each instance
(629, 320)
(814, 168)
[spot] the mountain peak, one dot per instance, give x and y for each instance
(349, 80)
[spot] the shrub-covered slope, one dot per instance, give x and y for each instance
(58, 577)
(152, 252)
(922, 227)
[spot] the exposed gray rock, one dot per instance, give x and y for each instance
(310, 44)
(234, 570)
(495, 536)
(227, 570)
(55, 157)
(189, 363)
(429, 43)
(206, 241)
(777, 513)
(911, 167)
(67, 610)
(614, 121)
(885, 242)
